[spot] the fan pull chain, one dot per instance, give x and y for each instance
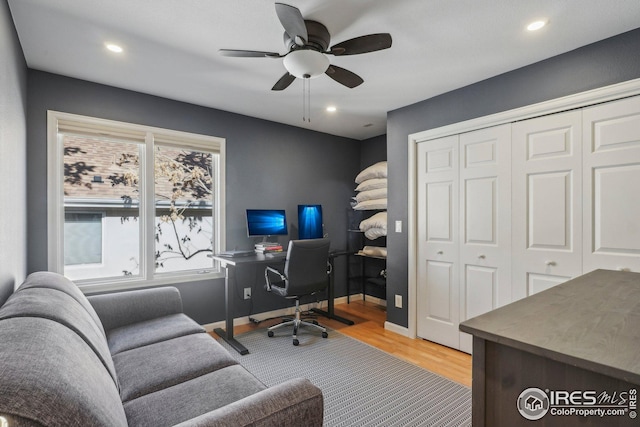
(306, 99)
(309, 100)
(304, 103)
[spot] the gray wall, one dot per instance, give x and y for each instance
(373, 150)
(303, 167)
(600, 64)
(13, 142)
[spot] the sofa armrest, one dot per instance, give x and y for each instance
(293, 403)
(125, 308)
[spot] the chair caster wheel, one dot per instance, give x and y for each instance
(315, 322)
(270, 334)
(296, 342)
(325, 335)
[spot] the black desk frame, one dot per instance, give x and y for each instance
(229, 264)
(330, 313)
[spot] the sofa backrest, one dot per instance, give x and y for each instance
(52, 304)
(49, 280)
(49, 376)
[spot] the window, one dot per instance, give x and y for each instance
(131, 204)
(82, 238)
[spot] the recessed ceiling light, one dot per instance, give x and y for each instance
(331, 109)
(536, 25)
(113, 47)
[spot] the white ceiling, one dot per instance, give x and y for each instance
(171, 49)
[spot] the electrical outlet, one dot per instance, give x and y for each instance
(247, 293)
(398, 226)
(398, 301)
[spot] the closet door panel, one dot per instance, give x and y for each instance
(438, 241)
(546, 202)
(485, 219)
(615, 216)
(541, 282)
(548, 213)
(611, 179)
(480, 205)
(440, 290)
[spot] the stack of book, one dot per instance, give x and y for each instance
(268, 247)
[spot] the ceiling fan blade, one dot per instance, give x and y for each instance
(344, 77)
(293, 23)
(284, 82)
(362, 44)
(247, 53)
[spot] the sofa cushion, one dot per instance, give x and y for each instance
(192, 398)
(49, 375)
(60, 307)
(119, 309)
(293, 403)
(153, 367)
(151, 331)
(46, 279)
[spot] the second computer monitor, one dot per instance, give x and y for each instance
(310, 224)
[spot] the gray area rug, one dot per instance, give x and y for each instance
(362, 386)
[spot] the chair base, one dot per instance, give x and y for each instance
(297, 322)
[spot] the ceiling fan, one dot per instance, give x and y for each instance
(306, 43)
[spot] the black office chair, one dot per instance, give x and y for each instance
(306, 271)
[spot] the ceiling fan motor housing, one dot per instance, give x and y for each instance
(318, 38)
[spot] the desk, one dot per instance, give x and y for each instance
(330, 293)
(230, 264)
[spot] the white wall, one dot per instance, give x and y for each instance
(13, 208)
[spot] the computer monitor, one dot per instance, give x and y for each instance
(310, 222)
(266, 222)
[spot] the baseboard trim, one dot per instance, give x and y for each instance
(289, 311)
(209, 327)
(397, 329)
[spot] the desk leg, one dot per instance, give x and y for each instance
(227, 335)
(330, 304)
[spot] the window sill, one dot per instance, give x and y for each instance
(131, 284)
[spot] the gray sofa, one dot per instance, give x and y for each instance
(128, 359)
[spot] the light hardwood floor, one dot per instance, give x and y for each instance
(369, 321)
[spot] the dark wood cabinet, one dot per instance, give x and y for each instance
(576, 347)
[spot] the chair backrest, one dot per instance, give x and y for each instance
(306, 266)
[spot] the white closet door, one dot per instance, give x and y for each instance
(546, 202)
(485, 223)
(612, 186)
(438, 242)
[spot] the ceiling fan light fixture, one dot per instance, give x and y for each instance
(306, 63)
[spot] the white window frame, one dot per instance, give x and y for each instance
(55, 196)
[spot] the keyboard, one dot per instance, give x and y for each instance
(239, 253)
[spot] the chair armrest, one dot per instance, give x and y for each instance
(125, 308)
(267, 278)
(293, 403)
